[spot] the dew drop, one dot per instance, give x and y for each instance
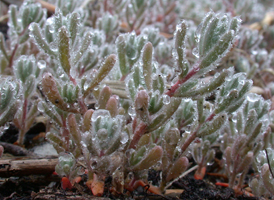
(41, 107)
(86, 85)
(41, 64)
(96, 106)
(131, 111)
(100, 113)
(124, 138)
(195, 52)
(154, 76)
(166, 99)
(96, 88)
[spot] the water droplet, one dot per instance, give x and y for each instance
(41, 64)
(131, 111)
(102, 134)
(166, 99)
(124, 138)
(50, 23)
(252, 97)
(41, 107)
(86, 85)
(154, 76)
(96, 106)
(195, 52)
(31, 28)
(96, 88)
(100, 113)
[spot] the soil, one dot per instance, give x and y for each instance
(49, 187)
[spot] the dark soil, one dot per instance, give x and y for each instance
(199, 189)
(30, 187)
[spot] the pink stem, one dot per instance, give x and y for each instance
(12, 56)
(15, 48)
(83, 107)
(194, 134)
(72, 80)
(188, 142)
(173, 89)
(140, 131)
(123, 77)
(210, 117)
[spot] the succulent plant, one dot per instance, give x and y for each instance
(128, 86)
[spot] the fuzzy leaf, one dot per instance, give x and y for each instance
(102, 73)
(211, 127)
(74, 26)
(121, 50)
(153, 156)
(51, 91)
(40, 41)
(74, 131)
(87, 119)
(147, 64)
(268, 183)
(63, 50)
(165, 113)
(104, 96)
(85, 45)
(177, 168)
(180, 48)
(3, 46)
(112, 106)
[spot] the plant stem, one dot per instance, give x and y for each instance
(138, 133)
(83, 107)
(194, 134)
(188, 142)
(270, 169)
(23, 121)
(15, 48)
(12, 56)
(65, 133)
(233, 174)
(173, 89)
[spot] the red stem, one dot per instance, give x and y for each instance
(134, 124)
(82, 71)
(210, 117)
(173, 89)
(194, 134)
(123, 77)
(12, 56)
(83, 107)
(15, 48)
(140, 131)
(72, 80)
(188, 141)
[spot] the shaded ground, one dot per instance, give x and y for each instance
(48, 187)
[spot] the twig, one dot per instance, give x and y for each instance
(48, 6)
(24, 167)
(16, 150)
(181, 176)
(268, 163)
(4, 18)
